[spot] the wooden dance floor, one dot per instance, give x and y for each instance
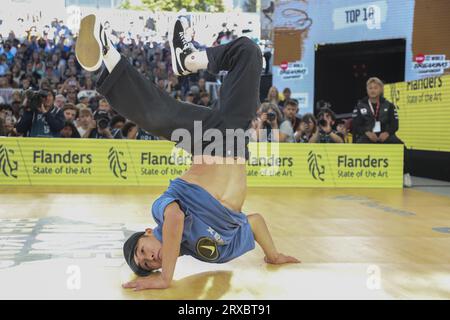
(63, 243)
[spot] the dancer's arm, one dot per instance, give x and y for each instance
(172, 234)
(263, 238)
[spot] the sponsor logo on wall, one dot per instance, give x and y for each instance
(116, 165)
(430, 65)
(292, 71)
(316, 169)
(8, 166)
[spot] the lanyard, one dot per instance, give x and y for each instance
(378, 109)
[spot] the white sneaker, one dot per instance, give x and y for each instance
(91, 44)
(407, 180)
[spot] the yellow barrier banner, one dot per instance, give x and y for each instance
(89, 162)
(424, 112)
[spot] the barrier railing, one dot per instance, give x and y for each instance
(85, 162)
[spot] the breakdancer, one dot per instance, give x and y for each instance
(200, 212)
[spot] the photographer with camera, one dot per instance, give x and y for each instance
(99, 128)
(325, 132)
(268, 123)
(40, 118)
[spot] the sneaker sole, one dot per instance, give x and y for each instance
(172, 52)
(87, 49)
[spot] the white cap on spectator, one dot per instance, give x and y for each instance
(83, 94)
(58, 96)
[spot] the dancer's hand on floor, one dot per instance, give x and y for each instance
(281, 259)
(150, 282)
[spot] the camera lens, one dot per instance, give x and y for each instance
(33, 100)
(102, 123)
(271, 116)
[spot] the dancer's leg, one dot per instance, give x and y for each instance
(153, 109)
(134, 96)
(239, 93)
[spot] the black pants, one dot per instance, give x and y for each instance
(392, 139)
(141, 101)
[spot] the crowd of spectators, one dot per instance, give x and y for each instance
(278, 120)
(45, 61)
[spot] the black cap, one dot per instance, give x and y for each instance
(128, 252)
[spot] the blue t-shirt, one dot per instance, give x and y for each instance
(212, 232)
